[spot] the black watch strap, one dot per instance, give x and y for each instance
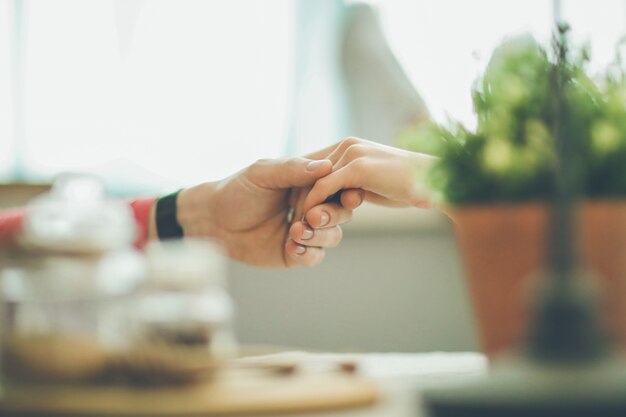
(166, 222)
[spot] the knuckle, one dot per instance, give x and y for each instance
(355, 151)
(352, 140)
(358, 165)
(262, 162)
(349, 141)
(259, 165)
(320, 185)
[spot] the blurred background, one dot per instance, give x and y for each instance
(154, 95)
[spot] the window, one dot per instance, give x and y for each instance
(159, 92)
(445, 44)
(165, 93)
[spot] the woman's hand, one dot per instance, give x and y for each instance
(383, 174)
(361, 170)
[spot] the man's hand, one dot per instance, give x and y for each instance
(248, 212)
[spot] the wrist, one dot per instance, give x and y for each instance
(194, 212)
(421, 195)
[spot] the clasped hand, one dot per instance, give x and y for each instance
(277, 213)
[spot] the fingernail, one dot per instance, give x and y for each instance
(300, 249)
(313, 165)
(324, 219)
(307, 234)
(290, 214)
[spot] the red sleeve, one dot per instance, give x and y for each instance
(10, 225)
(141, 210)
(11, 221)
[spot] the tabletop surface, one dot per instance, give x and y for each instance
(400, 376)
(346, 385)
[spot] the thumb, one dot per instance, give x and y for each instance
(293, 172)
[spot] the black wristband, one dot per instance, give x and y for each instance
(166, 223)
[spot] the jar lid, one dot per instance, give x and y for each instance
(76, 217)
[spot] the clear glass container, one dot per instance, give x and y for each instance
(81, 306)
(67, 289)
(184, 306)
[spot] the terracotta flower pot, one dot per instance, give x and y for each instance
(505, 246)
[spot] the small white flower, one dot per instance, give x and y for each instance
(605, 137)
(537, 135)
(514, 90)
(497, 156)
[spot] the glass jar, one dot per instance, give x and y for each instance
(66, 289)
(184, 306)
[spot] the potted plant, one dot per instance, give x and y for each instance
(498, 180)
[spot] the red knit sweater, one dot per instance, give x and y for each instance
(11, 221)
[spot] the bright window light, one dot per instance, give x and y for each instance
(165, 93)
(155, 92)
(444, 45)
(7, 136)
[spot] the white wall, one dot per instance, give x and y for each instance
(395, 285)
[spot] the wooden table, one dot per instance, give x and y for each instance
(400, 377)
(322, 385)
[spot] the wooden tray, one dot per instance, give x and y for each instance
(232, 392)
